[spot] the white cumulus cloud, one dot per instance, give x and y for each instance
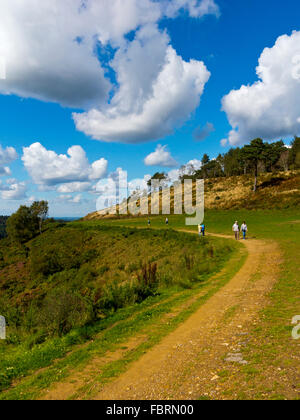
(77, 199)
(7, 156)
(15, 191)
(47, 168)
(73, 187)
(187, 169)
(270, 108)
(161, 157)
(148, 107)
(64, 51)
(139, 184)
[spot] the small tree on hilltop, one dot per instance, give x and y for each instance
(27, 222)
(159, 176)
(22, 225)
(253, 154)
(205, 161)
(294, 158)
(40, 209)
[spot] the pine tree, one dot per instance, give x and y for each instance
(253, 154)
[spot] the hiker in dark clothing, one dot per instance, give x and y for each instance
(203, 229)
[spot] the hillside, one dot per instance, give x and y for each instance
(3, 220)
(69, 282)
(86, 315)
(275, 191)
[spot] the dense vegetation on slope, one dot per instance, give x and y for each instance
(75, 274)
(3, 220)
(273, 356)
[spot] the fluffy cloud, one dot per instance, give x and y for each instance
(14, 191)
(188, 169)
(4, 170)
(139, 184)
(117, 188)
(70, 199)
(73, 187)
(112, 189)
(7, 156)
(64, 52)
(270, 108)
(194, 164)
(161, 157)
(43, 56)
(49, 169)
(150, 106)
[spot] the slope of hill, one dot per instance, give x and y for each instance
(275, 191)
(3, 220)
(245, 309)
(74, 277)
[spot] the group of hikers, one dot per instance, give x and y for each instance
(235, 228)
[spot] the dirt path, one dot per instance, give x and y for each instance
(188, 362)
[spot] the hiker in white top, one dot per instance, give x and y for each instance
(244, 229)
(236, 230)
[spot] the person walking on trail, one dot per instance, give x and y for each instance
(203, 229)
(149, 222)
(236, 230)
(244, 229)
(167, 221)
(200, 230)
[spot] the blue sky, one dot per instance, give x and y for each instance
(229, 37)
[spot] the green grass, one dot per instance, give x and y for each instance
(126, 323)
(92, 270)
(64, 270)
(271, 347)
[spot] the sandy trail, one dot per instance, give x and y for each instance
(186, 363)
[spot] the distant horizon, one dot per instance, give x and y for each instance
(52, 217)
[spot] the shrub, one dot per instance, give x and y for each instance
(116, 296)
(45, 264)
(189, 261)
(63, 310)
(104, 269)
(147, 284)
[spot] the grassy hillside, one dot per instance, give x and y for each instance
(272, 354)
(275, 191)
(63, 286)
(273, 369)
(3, 220)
